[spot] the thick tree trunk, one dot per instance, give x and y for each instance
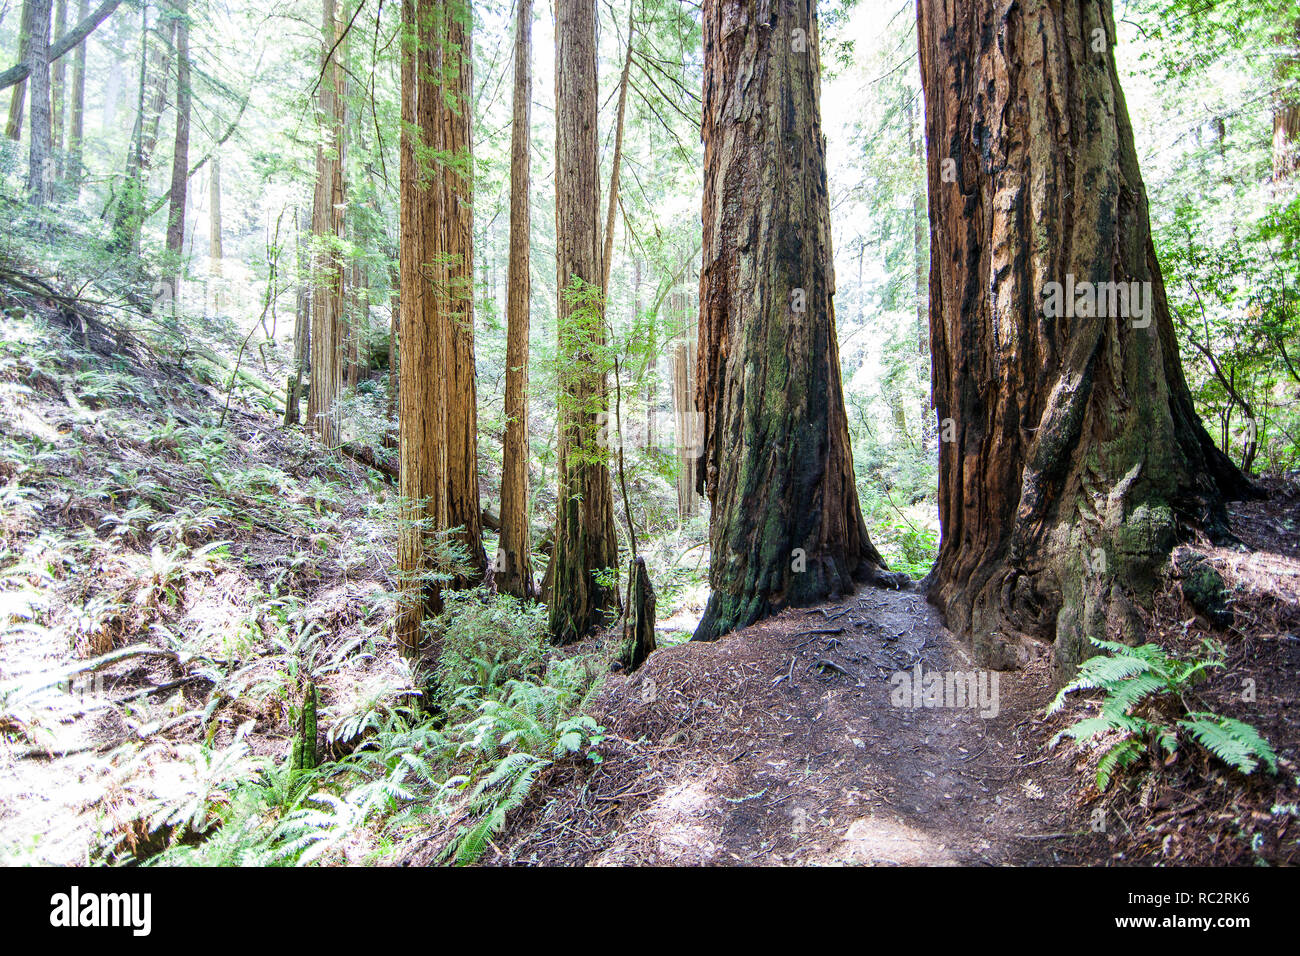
(18, 99)
(514, 564)
(456, 254)
(1071, 457)
(58, 89)
(77, 118)
(40, 163)
(786, 527)
(422, 340)
(181, 150)
(328, 302)
(586, 544)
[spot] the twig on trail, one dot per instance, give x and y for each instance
(1050, 836)
(818, 633)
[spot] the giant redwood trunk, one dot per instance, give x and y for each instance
(455, 258)
(422, 340)
(577, 591)
(327, 226)
(1071, 458)
(514, 565)
(786, 527)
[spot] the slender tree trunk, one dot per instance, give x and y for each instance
(215, 252)
(586, 543)
(422, 340)
(786, 527)
(514, 564)
(920, 252)
(18, 99)
(181, 150)
(688, 501)
(607, 258)
(1286, 107)
(1071, 457)
(58, 86)
(40, 165)
(130, 205)
(327, 313)
(77, 119)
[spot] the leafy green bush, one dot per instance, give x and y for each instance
(486, 640)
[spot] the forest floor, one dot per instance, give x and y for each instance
(789, 742)
(780, 744)
(167, 580)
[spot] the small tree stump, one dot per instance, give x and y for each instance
(639, 622)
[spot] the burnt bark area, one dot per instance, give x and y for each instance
(786, 526)
(1071, 457)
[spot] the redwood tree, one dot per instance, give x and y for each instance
(514, 566)
(586, 543)
(327, 226)
(1071, 458)
(181, 152)
(786, 527)
(454, 261)
(422, 340)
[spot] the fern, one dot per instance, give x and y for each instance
(1235, 743)
(1138, 685)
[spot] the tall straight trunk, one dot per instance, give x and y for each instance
(77, 119)
(394, 321)
(181, 149)
(1286, 107)
(585, 554)
(130, 204)
(688, 501)
(58, 88)
(786, 527)
(514, 565)
(159, 81)
(40, 163)
(920, 251)
(456, 255)
(215, 252)
(422, 339)
(18, 99)
(1071, 456)
(607, 257)
(328, 302)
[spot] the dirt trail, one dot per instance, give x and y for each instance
(779, 744)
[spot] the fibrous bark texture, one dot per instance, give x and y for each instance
(786, 527)
(1070, 456)
(422, 340)
(578, 589)
(514, 565)
(329, 300)
(455, 259)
